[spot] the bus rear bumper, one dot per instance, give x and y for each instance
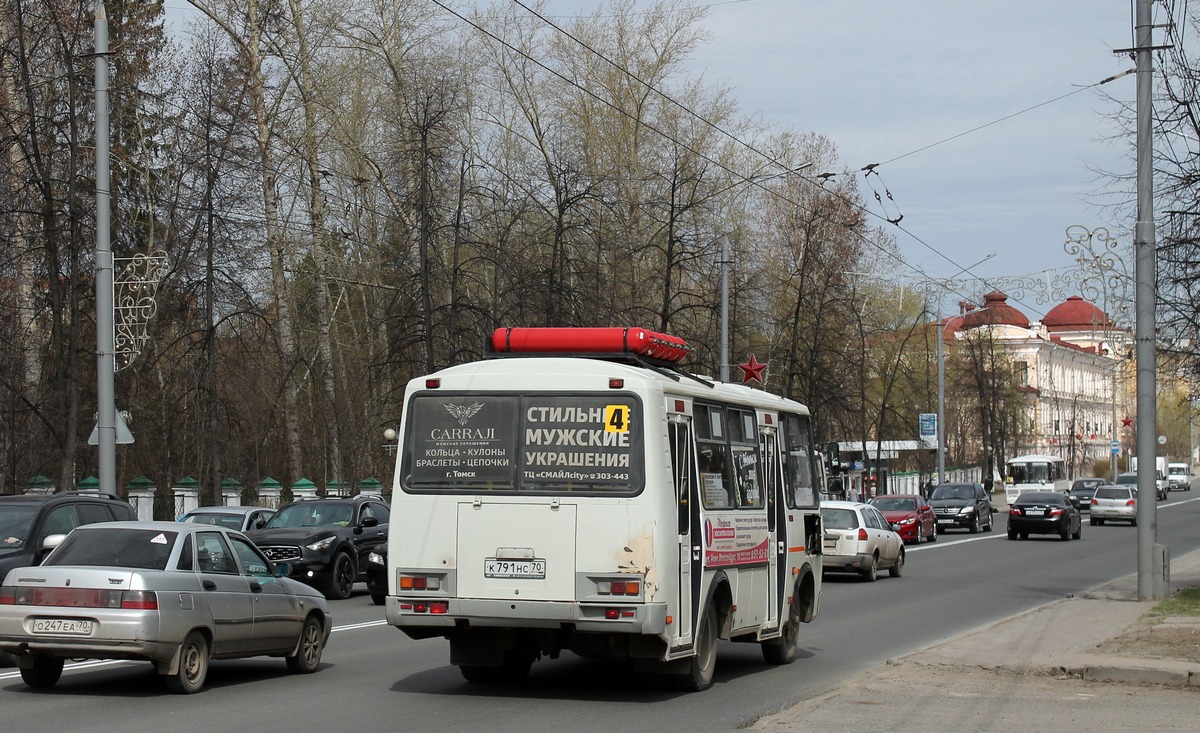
(606, 618)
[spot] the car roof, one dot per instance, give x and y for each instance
(1032, 496)
(179, 527)
(898, 496)
(228, 510)
(838, 504)
(58, 496)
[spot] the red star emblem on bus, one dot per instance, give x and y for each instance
(752, 370)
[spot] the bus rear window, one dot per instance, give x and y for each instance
(545, 444)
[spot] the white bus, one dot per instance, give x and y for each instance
(577, 491)
(1034, 473)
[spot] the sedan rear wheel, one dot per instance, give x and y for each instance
(193, 665)
(896, 570)
(308, 655)
(44, 673)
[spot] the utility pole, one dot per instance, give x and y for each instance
(106, 406)
(725, 308)
(1144, 274)
(941, 400)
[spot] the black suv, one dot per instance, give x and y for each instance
(26, 520)
(326, 541)
(961, 506)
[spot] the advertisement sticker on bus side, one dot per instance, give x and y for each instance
(737, 539)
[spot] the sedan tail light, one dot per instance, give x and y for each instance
(1131, 502)
(137, 600)
(862, 534)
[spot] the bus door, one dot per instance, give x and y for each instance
(687, 508)
(777, 551)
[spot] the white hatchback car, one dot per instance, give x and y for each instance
(858, 539)
(1114, 503)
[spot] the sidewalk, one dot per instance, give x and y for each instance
(1071, 665)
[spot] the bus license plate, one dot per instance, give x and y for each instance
(493, 568)
(71, 626)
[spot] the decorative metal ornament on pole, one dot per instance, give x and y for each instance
(134, 305)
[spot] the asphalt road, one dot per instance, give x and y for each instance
(373, 677)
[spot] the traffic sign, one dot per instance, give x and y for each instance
(1116, 446)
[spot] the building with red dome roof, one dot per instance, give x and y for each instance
(1069, 365)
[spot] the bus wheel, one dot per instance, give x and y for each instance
(783, 649)
(700, 667)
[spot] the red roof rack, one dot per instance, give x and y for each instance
(608, 341)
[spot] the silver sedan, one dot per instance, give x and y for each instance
(175, 594)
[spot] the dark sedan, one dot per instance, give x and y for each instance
(1082, 492)
(1044, 512)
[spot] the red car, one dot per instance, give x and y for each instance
(911, 514)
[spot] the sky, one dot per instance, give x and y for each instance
(885, 78)
(975, 112)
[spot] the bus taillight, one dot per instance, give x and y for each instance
(419, 582)
(619, 587)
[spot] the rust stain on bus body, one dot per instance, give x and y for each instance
(638, 558)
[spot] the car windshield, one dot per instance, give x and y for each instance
(1039, 497)
(1127, 478)
(894, 504)
(231, 521)
(954, 491)
(15, 521)
(1179, 470)
(839, 518)
(116, 547)
(313, 514)
(1113, 492)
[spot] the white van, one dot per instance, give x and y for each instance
(1179, 477)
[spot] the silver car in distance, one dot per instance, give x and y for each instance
(175, 594)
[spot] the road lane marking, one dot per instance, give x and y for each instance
(995, 536)
(96, 663)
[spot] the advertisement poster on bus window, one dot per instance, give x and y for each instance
(529, 442)
(735, 539)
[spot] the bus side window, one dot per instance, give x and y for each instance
(800, 470)
(744, 439)
(716, 478)
(681, 470)
(713, 476)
